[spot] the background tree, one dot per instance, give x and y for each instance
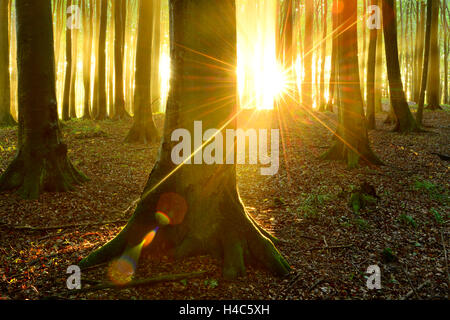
(88, 29)
(405, 122)
(434, 76)
(352, 141)
(41, 163)
(6, 118)
(333, 73)
(202, 203)
(156, 55)
(371, 72)
(101, 54)
(307, 84)
(143, 129)
(426, 62)
(69, 70)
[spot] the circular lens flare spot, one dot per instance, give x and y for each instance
(121, 271)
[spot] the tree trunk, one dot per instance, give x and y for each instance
(322, 102)
(41, 163)
(371, 72)
(88, 29)
(420, 40)
(446, 36)
(68, 73)
(102, 98)
(201, 202)
(308, 55)
(379, 84)
(143, 129)
(334, 66)
(405, 122)
(6, 118)
(426, 63)
(119, 47)
(352, 143)
(156, 79)
(434, 76)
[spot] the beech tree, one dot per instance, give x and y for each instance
(41, 163)
(371, 73)
(101, 58)
(352, 141)
(434, 76)
(405, 121)
(6, 118)
(143, 129)
(204, 213)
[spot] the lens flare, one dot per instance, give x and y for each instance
(121, 271)
(162, 218)
(149, 237)
(171, 209)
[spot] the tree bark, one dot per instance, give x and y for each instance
(6, 118)
(156, 79)
(102, 98)
(69, 71)
(371, 73)
(334, 67)
(41, 163)
(434, 76)
(143, 129)
(205, 213)
(405, 122)
(88, 29)
(352, 143)
(119, 47)
(426, 63)
(307, 85)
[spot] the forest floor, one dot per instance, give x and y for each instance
(329, 242)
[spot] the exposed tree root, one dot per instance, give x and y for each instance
(225, 230)
(7, 120)
(143, 133)
(32, 173)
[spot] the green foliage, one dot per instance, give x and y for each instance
(310, 206)
(434, 191)
(362, 223)
(437, 216)
(211, 283)
(408, 220)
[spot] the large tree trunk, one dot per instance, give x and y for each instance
(201, 202)
(101, 54)
(119, 47)
(352, 141)
(6, 118)
(446, 38)
(371, 73)
(143, 129)
(420, 40)
(41, 163)
(405, 121)
(434, 76)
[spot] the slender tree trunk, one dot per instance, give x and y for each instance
(41, 163)
(6, 118)
(68, 73)
(371, 74)
(307, 85)
(73, 75)
(156, 80)
(119, 47)
(322, 102)
(143, 129)
(405, 121)
(446, 43)
(420, 41)
(201, 202)
(352, 143)
(426, 62)
(334, 66)
(379, 84)
(434, 76)
(88, 28)
(102, 98)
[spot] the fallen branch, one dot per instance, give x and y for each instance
(65, 226)
(141, 282)
(410, 293)
(331, 247)
(446, 258)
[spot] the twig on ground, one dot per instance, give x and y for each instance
(331, 247)
(65, 226)
(410, 293)
(446, 258)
